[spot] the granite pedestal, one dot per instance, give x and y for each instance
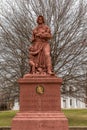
(40, 104)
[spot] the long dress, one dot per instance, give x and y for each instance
(40, 47)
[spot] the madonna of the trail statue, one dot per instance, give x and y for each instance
(39, 51)
(40, 96)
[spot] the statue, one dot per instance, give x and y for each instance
(39, 51)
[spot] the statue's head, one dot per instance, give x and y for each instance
(40, 19)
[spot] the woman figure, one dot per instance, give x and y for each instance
(40, 59)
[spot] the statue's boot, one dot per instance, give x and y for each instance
(49, 65)
(49, 70)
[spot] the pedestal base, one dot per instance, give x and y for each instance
(40, 121)
(40, 104)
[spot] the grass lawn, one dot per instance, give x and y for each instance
(76, 117)
(6, 117)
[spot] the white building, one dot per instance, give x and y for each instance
(71, 102)
(16, 105)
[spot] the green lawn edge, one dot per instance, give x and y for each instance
(76, 117)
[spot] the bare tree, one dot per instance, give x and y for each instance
(67, 20)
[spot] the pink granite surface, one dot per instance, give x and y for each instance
(40, 111)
